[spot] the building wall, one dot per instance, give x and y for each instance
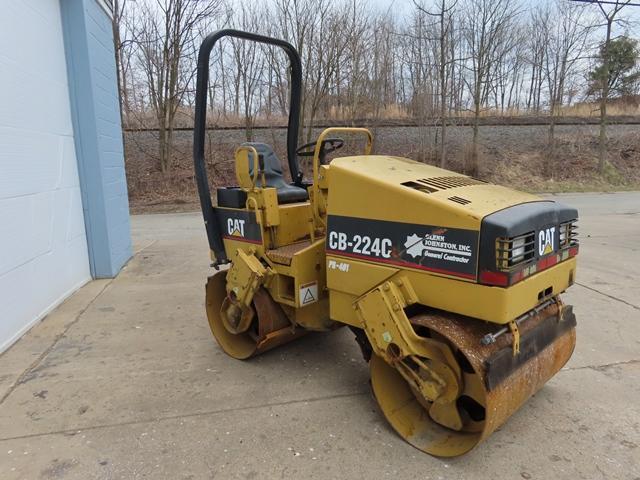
(96, 119)
(43, 246)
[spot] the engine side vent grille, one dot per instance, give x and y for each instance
(420, 187)
(442, 183)
(460, 200)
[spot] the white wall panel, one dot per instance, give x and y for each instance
(43, 250)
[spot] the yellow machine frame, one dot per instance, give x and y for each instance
(451, 357)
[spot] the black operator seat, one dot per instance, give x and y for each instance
(234, 197)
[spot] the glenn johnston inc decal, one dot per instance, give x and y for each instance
(451, 251)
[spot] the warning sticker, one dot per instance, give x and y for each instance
(308, 293)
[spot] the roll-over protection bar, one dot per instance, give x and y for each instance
(213, 230)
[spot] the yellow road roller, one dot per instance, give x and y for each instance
(451, 285)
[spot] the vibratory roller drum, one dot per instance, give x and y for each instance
(266, 327)
(491, 383)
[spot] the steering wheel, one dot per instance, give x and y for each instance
(328, 145)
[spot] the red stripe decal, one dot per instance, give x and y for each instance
(402, 264)
(494, 278)
(547, 262)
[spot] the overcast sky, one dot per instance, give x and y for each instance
(401, 7)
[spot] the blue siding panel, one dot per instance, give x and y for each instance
(98, 134)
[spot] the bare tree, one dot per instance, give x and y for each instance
(487, 30)
(248, 66)
(383, 65)
(567, 31)
(505, 75)
(421, 86)
(444, 60)
(536, 42)
(354, 59)
(166, 54)
(610, 11)
(122, 56)
(323, 56)
(296, 22)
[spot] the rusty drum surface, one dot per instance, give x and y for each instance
(547, 342)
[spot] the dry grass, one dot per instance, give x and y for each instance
(388, 112)
(508, 155)
(629, 107)
(593, 110)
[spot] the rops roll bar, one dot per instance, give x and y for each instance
(213, 230)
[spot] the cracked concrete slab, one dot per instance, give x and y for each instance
(125, 381)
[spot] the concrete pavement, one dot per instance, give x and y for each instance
(125, 381)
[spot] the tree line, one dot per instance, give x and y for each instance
(437, 60)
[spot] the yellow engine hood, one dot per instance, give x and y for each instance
(402, 190)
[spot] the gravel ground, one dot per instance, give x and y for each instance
(124, 381)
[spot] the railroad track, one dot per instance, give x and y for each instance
(452, 122)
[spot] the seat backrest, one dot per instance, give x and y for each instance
(272, 166)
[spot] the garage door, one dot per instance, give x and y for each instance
(43, 250)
